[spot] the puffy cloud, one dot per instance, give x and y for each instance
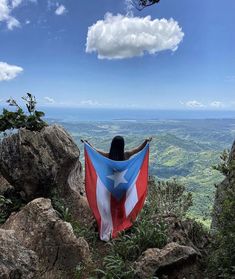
(193, 104)
(8, 72)
(216, 104)
(60, 10)
(118, 37)
(49, 100)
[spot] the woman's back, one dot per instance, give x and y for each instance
(117, 152)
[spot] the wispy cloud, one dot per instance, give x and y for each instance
(8, 72)
(119, 37)
(129, 6)
(216, 104)
(6, 9)
(192, 104)
(5, 14)
(89, 103)
(230, 78)
(209, 105)
(49, 100)
(60, 10)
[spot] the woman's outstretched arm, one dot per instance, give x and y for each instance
(99, 151)
(137, 149)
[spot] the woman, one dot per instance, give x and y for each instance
(115, 190)
(117, 152)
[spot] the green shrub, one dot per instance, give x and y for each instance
(116, 268)
(221, 262)
(169, 197)
(19, 119)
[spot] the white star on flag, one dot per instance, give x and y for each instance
(118, 177)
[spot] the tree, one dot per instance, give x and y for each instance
(141, 4)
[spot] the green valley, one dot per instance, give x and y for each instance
(181, 149)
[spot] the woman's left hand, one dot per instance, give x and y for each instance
(149, 139)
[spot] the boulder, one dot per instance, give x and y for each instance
(40, 229)
(16, 261)
(173, 261)
(35, 162)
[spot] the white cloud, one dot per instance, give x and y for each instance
(60, 10)
(16, 3)
(193, 104)
(118, 37)
(216, 104)
(6, 9)
(49, 100)
(12, 23)
(8, 72)
(89, 102)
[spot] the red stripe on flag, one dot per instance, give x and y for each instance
(118, 215)
(120, 221)
(90, 187)
(141, 186)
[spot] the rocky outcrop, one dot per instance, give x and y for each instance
(35, 162)
(16, 261)
(224, 189)
(173, 261)
(39, 229)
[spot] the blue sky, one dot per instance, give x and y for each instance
(125, 61)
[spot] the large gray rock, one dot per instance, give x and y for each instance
(40, 229)
(173, 261)
(16, 261)
(224, 189)
(35, 162)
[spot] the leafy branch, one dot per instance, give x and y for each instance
(141, 4)
(19, 119)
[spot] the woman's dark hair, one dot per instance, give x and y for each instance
(116, 151)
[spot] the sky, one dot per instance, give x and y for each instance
(106, 54)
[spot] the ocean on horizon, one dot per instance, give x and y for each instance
(94, 114)
(67, 114)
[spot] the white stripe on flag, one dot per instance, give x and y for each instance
(103, 198)
(131, 197)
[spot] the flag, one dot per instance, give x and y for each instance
(115, 190)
